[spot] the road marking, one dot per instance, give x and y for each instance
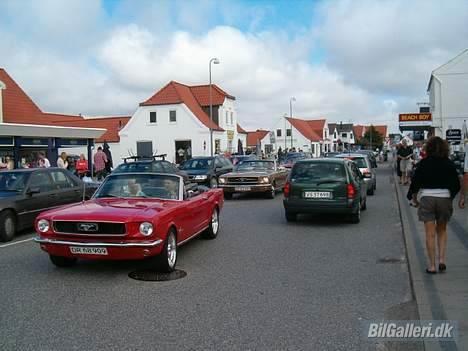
(16, 242)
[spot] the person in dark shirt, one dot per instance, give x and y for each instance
(434, 185)
(405, 154)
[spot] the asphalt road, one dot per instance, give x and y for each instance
(263, 284)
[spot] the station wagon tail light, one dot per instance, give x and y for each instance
(351, 190)
(43, 225)
(366, 173)
(287, 189)
(146, 229)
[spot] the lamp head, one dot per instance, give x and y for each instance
(216, 61)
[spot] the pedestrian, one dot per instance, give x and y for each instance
(405, 154)
(109, 163)
(100, 160)
(62, 161)
(434, 186)
(81, 166)
(464, 180)
(43, 162)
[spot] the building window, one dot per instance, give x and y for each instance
(232, 118)
(227, 118)
(172, 116)
(288, 132)
(326, 134)
(344, 135)
(334, 135)
(278, 132)
(153, 117)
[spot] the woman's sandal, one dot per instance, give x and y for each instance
(442, 267)
(430, 272)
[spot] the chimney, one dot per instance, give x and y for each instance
(2, 86)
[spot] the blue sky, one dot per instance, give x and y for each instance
(345, 60)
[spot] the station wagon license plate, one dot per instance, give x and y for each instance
(88, 250)
(317, 195)
(242, 188)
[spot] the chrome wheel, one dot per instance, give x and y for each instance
(9, 226)
(171, 250)
(215, 221)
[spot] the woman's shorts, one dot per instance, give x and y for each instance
(437, 209)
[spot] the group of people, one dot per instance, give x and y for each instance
(433, 185)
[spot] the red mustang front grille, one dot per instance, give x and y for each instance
(89, 228)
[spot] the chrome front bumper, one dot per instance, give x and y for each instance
(97, 244)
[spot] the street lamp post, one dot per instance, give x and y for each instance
(291, 116)
(216, 62)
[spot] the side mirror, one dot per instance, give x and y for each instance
(32, 191)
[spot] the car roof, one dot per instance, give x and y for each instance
(322, 160)
(145, 174)
(354, 155)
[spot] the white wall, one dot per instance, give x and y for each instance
(448, 95)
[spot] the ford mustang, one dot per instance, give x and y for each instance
(131, 216)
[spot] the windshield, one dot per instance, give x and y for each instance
(13, 181)
(255, 166)
(140, 185)
(314, 171)
(201, 163)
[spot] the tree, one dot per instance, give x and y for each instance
(372, 139)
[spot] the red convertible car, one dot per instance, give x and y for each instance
(131, 216)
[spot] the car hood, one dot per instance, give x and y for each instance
(248, 174)
(118, 210)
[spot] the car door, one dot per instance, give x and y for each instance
(281, 174)
(359, 181)
(35, 203)
(68, 190)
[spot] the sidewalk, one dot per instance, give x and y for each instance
(441, 296)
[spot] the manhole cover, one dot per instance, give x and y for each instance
(153, 276)
(391, 260)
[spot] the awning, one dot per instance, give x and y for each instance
(42, 131)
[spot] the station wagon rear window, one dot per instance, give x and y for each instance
(312, 171)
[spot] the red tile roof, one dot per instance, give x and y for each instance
(310, 129)
(19, 108)
(240, 129)
(194, 97)
(359, 131)
(257, 136)
(112, 124)
(382, 129)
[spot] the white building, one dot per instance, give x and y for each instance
(175, 121)
(447, 90)
(342, 135)
(306, 135)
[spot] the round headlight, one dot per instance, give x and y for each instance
(264, 180)
(146, 228)
(43, 225)
(222, 180)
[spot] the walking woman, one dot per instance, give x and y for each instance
(434, 185)
(81, 166)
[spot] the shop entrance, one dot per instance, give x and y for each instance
(183, 150)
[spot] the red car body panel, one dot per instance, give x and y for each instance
(189, 217)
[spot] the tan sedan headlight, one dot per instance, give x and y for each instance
(264, 180)
(146, 229)
(43, 225)
(222, 180)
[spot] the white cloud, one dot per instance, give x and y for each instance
(377, 55)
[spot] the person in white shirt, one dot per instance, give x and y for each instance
(43, 161)
(62, 161)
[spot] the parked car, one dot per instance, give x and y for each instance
(292, 158)
(206, 170)
(325, 185)
(141, 164)
(254, 176)
(365, 166)
(369, 153)
(330, 154)
(24, 193)
(131, 216)
(235, 159)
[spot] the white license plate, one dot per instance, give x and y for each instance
(317, 195)
(242, 188)
(88, 250)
